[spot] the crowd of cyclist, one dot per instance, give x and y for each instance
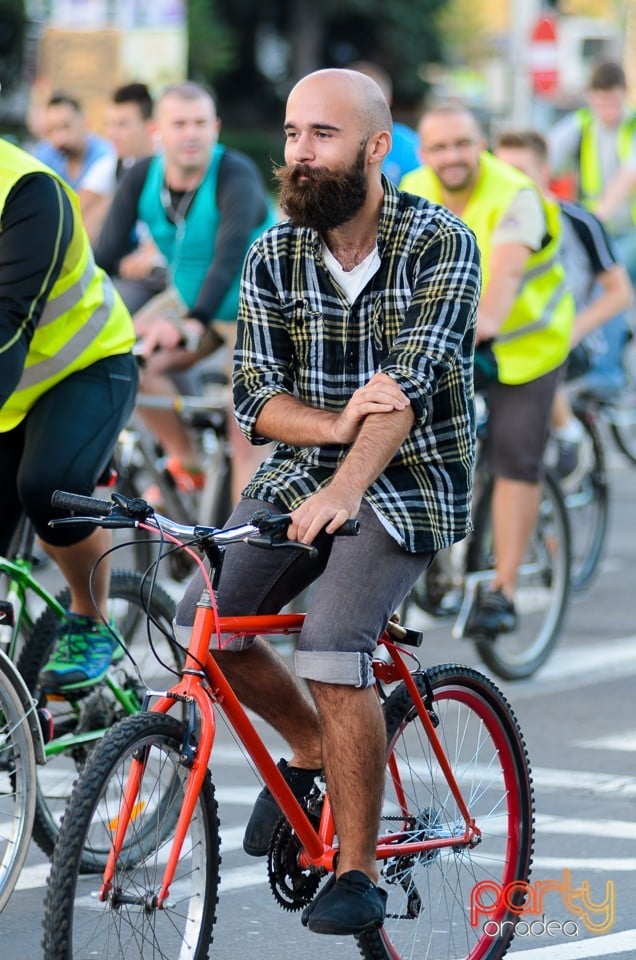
(145, 237)
(170, 213)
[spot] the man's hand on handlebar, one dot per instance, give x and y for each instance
(326, 510)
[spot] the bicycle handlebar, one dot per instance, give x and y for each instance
(264, 529)
(63, 500)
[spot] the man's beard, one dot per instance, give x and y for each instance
(326, 199)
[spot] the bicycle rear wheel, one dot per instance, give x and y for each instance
(430, 895)
(17, 786)
(76, 923)
(586, 495)
(543, 585)
(81, 722)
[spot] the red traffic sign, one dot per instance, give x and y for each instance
(543, 55)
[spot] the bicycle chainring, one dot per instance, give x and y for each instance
(292, 887)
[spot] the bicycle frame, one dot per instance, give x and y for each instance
(205, 688)
(20, 582)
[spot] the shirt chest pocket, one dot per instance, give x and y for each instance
(305, 328)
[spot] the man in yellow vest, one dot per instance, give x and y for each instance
(598, 145)
(67, 386)
(525, 311)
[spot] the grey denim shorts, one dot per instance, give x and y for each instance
(358, 583)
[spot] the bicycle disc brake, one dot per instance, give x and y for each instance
(293, 888)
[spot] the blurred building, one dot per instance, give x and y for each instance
(88, 47)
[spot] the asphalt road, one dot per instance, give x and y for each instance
(578, 715)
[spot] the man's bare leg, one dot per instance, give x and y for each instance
(263, 682)
(354, 757)
(515, 508)
(167, 425)
(76, 562)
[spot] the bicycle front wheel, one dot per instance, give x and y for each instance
(128, 924)
(543, 585)
(430, 895)
(17, 786)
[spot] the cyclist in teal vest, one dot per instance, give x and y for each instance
(202, 205)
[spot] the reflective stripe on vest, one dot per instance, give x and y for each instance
(83, 320)
(535, 336)
(543, 322)
(73, 348)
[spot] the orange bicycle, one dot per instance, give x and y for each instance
(456, 838)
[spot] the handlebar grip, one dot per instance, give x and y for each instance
(350, 528)
(89, 506)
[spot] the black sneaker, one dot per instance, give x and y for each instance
(494, 613)
(346, 906)
(304, 917)
(266, 812)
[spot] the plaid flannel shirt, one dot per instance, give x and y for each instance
(415, 321)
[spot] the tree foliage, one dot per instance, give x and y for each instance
(253, 52)
(12, 23)
(211, 46)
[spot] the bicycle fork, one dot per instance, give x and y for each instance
(195, 758)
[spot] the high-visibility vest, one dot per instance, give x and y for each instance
(535, 337)
(83, 320)
(590, 180)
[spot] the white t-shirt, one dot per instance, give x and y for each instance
(352, 281)
(101, 177)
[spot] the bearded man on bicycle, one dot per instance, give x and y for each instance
(354, 353)
(67, 386)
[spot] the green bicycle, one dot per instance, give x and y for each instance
(78, 721)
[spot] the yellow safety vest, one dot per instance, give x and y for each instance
(535, 337)
(590, 180)
(84, 318)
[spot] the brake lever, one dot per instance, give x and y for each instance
(269, 543)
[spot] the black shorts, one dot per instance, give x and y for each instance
(64, 442)
(519, 417)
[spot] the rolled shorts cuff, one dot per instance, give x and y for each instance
(235, 642)
(349, 669)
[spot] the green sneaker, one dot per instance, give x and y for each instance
(86, 649)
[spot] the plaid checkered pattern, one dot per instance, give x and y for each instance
(414, 320)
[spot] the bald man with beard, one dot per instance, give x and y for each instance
(354, 354)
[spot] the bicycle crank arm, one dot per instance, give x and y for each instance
(472, 582)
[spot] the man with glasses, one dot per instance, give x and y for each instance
(525, 312)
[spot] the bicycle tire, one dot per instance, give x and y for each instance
(99, 709)
(17, 786)
(76, 923)
(586, 494)
(622, 412)
(429, 896)
(543, 585)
